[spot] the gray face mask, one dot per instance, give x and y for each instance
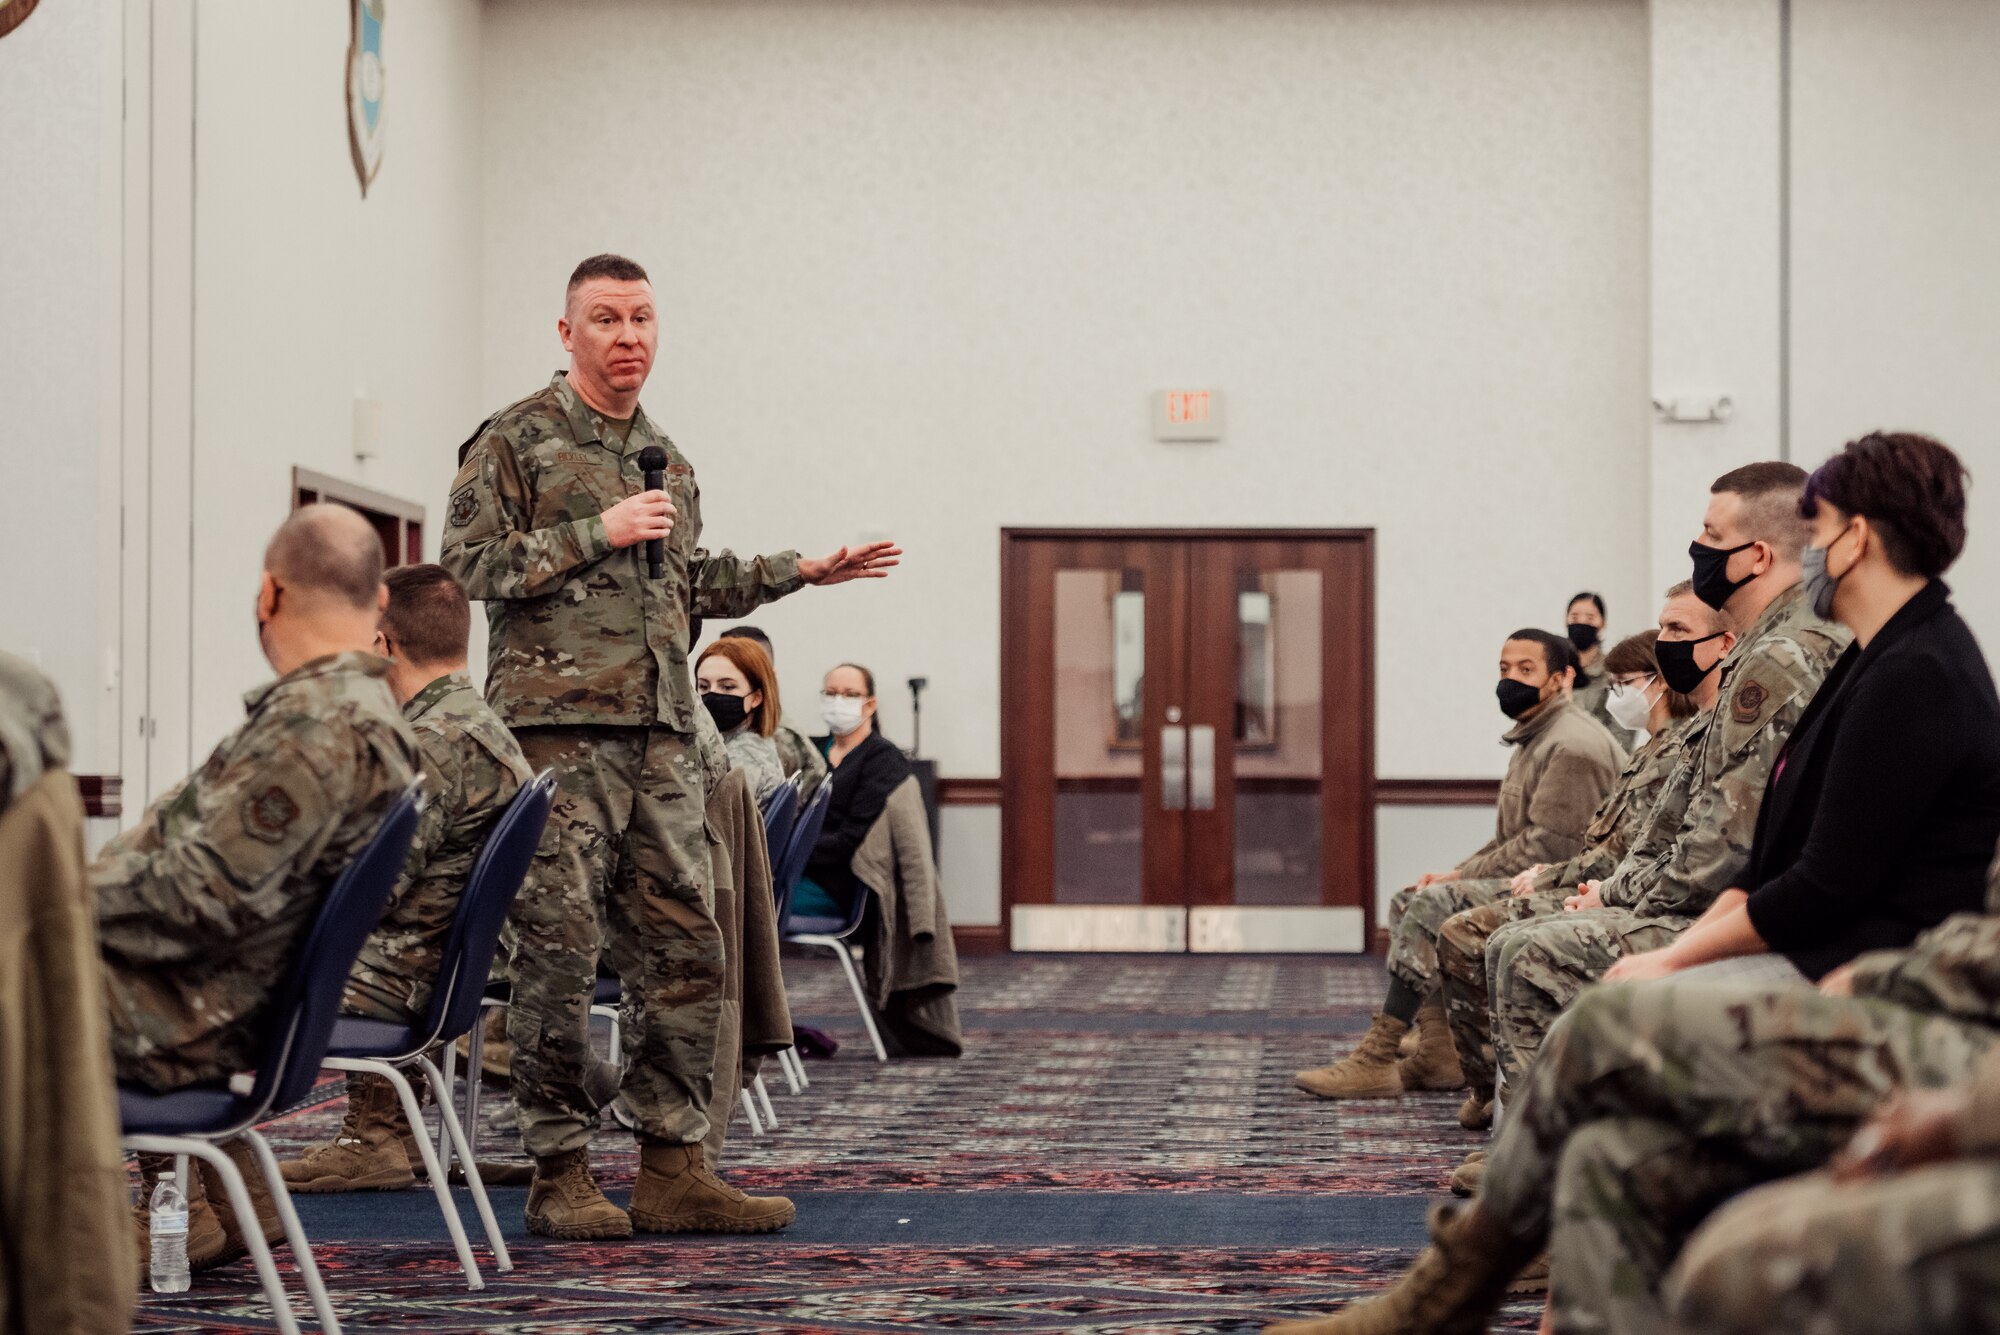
(1819, 586)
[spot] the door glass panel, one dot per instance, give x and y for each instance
(1278, 735)
(1100, 652)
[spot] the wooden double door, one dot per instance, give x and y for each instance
(1188, 740)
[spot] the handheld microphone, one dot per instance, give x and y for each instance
(653, 460)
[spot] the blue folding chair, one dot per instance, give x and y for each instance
(193, 1122)
(809, 930)
(384, 1047)
(781, 817)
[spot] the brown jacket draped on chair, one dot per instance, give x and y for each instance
(756, 1019)
(909, 964)
(66, 1250)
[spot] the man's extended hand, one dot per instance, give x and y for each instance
(637, 518)
(872, 560)
(1585, 898)
(1641, 968)
(1913, 1128)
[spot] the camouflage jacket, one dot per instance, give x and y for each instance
(472, 768)
(1953, 969)
(1618, 821)
(578, 631)
(1563, 764)
(798, 755)
(202, 905)
(1593, 696)
(33, 737)
(1697, 841)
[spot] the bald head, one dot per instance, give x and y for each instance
(330, 552)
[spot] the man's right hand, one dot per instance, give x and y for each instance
(1586, 898)
(639, 518)
(1523, 883)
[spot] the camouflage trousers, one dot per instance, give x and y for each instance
(1911, 1253)
(1652, 1102)
(624, 873)
(398, 967)
(1537, 967)
(1462, 974)
(1415, 917)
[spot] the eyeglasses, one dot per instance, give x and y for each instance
(845, 695)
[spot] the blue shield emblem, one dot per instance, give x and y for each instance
(364, 89)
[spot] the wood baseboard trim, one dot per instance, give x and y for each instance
(956, 792)
(981, 939)
(1381, 941)
(1437, 792)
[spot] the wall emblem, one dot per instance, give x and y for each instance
(364, 89)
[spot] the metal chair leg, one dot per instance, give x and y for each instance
(799, 1068)
(750, 1112)
(794, 1079)
(295, 1233)
(449, 1116)
(764, 1097)
(450, 1069)
(439, 1185)
(861, 1000)
(239, 1201)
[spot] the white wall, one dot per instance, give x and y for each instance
(921, 265)
(308, 296)
(1895, 265)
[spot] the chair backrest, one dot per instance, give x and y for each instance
(490, 888)
(786, 873)
(781, 816)
(302, 1014)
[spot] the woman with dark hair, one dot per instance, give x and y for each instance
(1584, 622)
(1881, 815)
(867, 768)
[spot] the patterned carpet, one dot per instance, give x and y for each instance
(1120, 1151)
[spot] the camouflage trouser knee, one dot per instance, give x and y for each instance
(625, 873)
(1544, 963)
(1628, 1189)
(1462, 977)
(1911, 1253)
(399, 963)
(1413, 938)
(1778, 1079)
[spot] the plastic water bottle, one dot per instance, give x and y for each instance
(169, 1227)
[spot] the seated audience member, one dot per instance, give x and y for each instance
(740, 690)
(1564, 762)
(797, 754)
(472, 769)
(1881, 817)
(65, 1240)
(1584, 620)
(1697, 842)
(1898, 1237)
(867, 768)
(1641, 698)
(203, 904)
(1650, 1104)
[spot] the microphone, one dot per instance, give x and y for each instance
(653, 460)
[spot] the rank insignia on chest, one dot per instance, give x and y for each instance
(269, 814)
(1749, 702)
(464, 505)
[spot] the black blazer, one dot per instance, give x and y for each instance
(1880, 819)
(861, 783)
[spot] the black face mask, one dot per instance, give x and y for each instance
(1517, 697)
(1711, 573)
(1677, 666)
(728, 711)
(1584, 636)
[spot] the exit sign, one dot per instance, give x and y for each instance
(1187, 414)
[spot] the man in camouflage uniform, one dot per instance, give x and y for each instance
(203, 905)
(1543, 890)
(1697, 838)
(1563, 763)
(472, 769)
(1901, 1237)
(548, 522)
(1653, 1102)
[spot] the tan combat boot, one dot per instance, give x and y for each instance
(1476, 1113)
(206, 1246)
(565, 1202)
(265, 1208)
(1435, 1065)
(676, 1193)
(1369, 1072)
(367, 1154)
(1466, 1178)
(1454, 1285)
(1532, 1278)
